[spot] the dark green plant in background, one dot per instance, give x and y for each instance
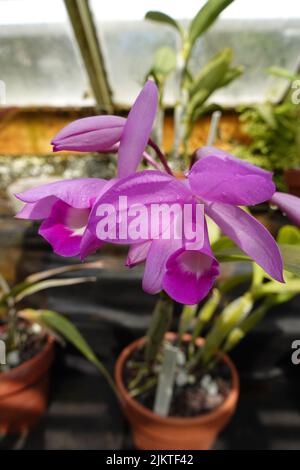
(223, 319)
(193, 89)
(274, 131)
(21, 327)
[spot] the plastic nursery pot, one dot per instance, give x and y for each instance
(24, 392)
(154, 432)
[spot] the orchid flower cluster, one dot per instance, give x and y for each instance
(69, 209)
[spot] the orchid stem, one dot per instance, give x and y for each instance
(151, 382)
(159, 325)
(161, 156)
(151, 161)
(213, 130)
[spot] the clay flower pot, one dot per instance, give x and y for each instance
(24, 392)
(154, 432)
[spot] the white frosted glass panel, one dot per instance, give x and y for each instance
(39, 59)
(129, 47)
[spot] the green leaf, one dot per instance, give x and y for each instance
(160, 17)
(58, 323)
(283, 73)
(69, 331)
(292, 286)
(232, 315)
(258, 275)
(221, 244)
(52, 283)
(42, 275)
(214, 231)
(289, 235)
(187, 315)
(225, 250)
(164, 61)
(233, 281)
(205, 18)
(24, 289)
(159, 325)
(212, 74)
(240, 331)
(266, 112)
(205, 109)
(99, 264)
(195, 106)
(291, 258)
(208, 80)
(206, 313)
(231, 75)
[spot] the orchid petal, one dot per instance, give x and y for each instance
(250, 235)
(37, 210)
(77, 192)
(155, 267)
(137, 130)
(89, 244)
(141, 189)
(90, 134)
(64, 227)
(289, 205)
(220, 177)
(190, 274)
(162, 248)
(137, 253)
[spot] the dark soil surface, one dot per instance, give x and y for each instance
(189, 400)
(29, 345)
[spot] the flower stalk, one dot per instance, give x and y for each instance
(159, 325)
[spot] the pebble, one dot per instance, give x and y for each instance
(13, 358)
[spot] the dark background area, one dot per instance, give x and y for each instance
(83, 412)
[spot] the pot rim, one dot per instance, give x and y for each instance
(227, 404)
(7, 375)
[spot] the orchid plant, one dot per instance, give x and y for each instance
(193, 90)
(273, 130)
(24, 330)
(242, 314)
(175, 269)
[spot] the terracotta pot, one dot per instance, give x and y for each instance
(154, 432)
(24, 392)
(292, 179)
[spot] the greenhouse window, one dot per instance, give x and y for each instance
(41, 64)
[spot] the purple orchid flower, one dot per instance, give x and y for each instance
(106, 133)
(90, 134)
(289, 205)
(219, 181)
(186, 274)
(222, 183)
(65, 206)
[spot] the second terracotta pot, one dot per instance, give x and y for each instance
(154, 432)
(24, 392)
